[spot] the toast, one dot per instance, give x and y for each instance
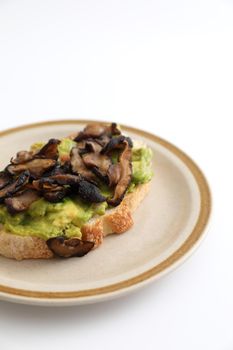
(117, 220)
(61, 198)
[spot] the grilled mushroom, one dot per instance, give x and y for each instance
(67, 248)
(61, 179)
(114, 174)
(49, 150)
(21, 202)
(50, 183)
(96, 160)
(5, 179)
(50, 189)
(78, 166)
(85, 189)
(116, 143)
(125, 175)
(58, 169)
(22, 157)
(103, 140)
(93, 146)
(90, 131)
(89, 192)
(99, 163)
(36, 167)
(97, 130)
(55, 193)
(14, 186)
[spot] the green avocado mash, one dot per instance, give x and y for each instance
(141, 162)
(65, 147)
(46, 220)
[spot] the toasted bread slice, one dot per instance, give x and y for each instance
(116, 220)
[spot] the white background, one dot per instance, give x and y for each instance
(164, 66)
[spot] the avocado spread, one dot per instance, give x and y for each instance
(65, 218)
(47, 220)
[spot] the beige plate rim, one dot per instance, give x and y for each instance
(160, 269)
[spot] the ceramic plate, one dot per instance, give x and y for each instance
(167, 227)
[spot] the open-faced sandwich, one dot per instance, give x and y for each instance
(62, 197)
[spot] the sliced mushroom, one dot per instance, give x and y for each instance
(91, 131)
(22, 157)
(99, 163)
(58, 169)
(5, 179)
(100, 175)
(36, 167)
(50, 189)
(13, 187)
(125, 177)
(54, 188)
(89, 192)
(78, 166)
(93, 146)
(85, 189)
(103, 140)
(117, 143)
(62, 179)
(56, 183)
(21, 202)
(97, 130)
(96, 160)
(114, 174)
(49, 150)
(55, 194)
(67, 248)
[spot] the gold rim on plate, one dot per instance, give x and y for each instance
(204, 214)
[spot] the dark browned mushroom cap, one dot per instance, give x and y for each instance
(125, 177)
(13, 187)
(21, 202)
(22, 157)
(78, 166)
(117, 143)
(5, 179)
(36, 167)
(89, 192)
(97, 130)
(67, 248)
(49, 150)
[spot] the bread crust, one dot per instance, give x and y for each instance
(23, 247)
(116, 220)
